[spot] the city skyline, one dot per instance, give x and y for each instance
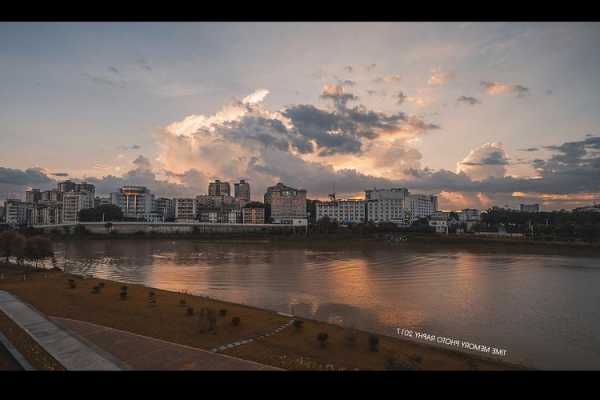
(480, 113)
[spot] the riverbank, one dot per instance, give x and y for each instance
(167, 319)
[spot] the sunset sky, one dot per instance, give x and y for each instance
(480, 113)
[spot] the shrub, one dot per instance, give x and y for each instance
(151, 294)
(124, 289)
(298, 324)
(416, 359)
(72, 284)
(190, 311)
(373, 343)
(322, 338)
(101, 285)
(123, 295)
(350, 336)
(211, 317)
(96, 289)
(392, 364)
(223, 312)
(235, 321)
(182, 302)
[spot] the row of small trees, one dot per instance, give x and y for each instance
(34, 248)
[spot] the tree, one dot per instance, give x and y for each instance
(38, 248)
(11, 244)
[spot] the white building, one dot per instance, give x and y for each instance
(343, 211)
(439, 221)
(469, 215)
(73, 202)
(422, 205)
(185, 209)
(135, 202)
(18, 212)
(398, 206)
(47, 214)
(234, 217)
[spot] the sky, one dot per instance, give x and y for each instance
(480, 114)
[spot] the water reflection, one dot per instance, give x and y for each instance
(545, 310)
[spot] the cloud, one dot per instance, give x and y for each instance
(113, 70)
(401, 97)
(495, 88)
(371, 67)
(30, 176)
(129, 147)
(142, 63)
(439, 77)
(488, 160)
(529, 149)
(337, 94)
(468, 100)
(388, 79)
(348, 68)
(104, 80)
(60, 174)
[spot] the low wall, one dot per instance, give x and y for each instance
(168, 227)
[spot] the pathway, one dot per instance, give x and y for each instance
(145, 353)
(252, 339)
(69, 351)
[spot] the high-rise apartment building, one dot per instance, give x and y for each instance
(33, 196)
(185, 209)
(135, 201)
(218, 188)
(530, 208)
(165, 208)
(242, 190)
(399, 206)
(73, 202)
(18, 212)
(287, 204)
(253, 213)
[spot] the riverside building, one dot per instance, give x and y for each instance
(343, 211)
(242, 190)
(185, 210)
(136, 202)
(218, 188)
(288, 205)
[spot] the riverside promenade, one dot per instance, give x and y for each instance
(65, 348)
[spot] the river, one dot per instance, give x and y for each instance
(544, 310)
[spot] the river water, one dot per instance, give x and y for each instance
(544, 310)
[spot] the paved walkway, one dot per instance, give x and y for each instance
(70, 352)
(252, 339)
(145, 353)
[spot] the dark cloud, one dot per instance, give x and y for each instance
(529, 149)
(104, 80)
(338, 95)
(468, 100)
(144, 64)
(114, 70)
(401, 97)
(130, 147)
(30, 176)
(61, 174)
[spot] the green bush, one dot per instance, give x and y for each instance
(322, 338)
(235, 321)
(223, 312)
(298, 324)
(190, 311)
(373, 343)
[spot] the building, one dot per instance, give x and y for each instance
(165, 208)
(2, 218)
(422, 205)
(51, 196)
(136, 202)
(343, 211)
(253, 213)
(398, 205)
(185, 209)
(47, 214)
(242, 190)
(388, 205)
(66, 186)
(33, 196)
(218, 188)
(215, 201)
(234, 217)
(530, 208)
(287, 204)
(73, 202)
(439, 221)
(18, 213)
(469, 215)
(103, 200)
